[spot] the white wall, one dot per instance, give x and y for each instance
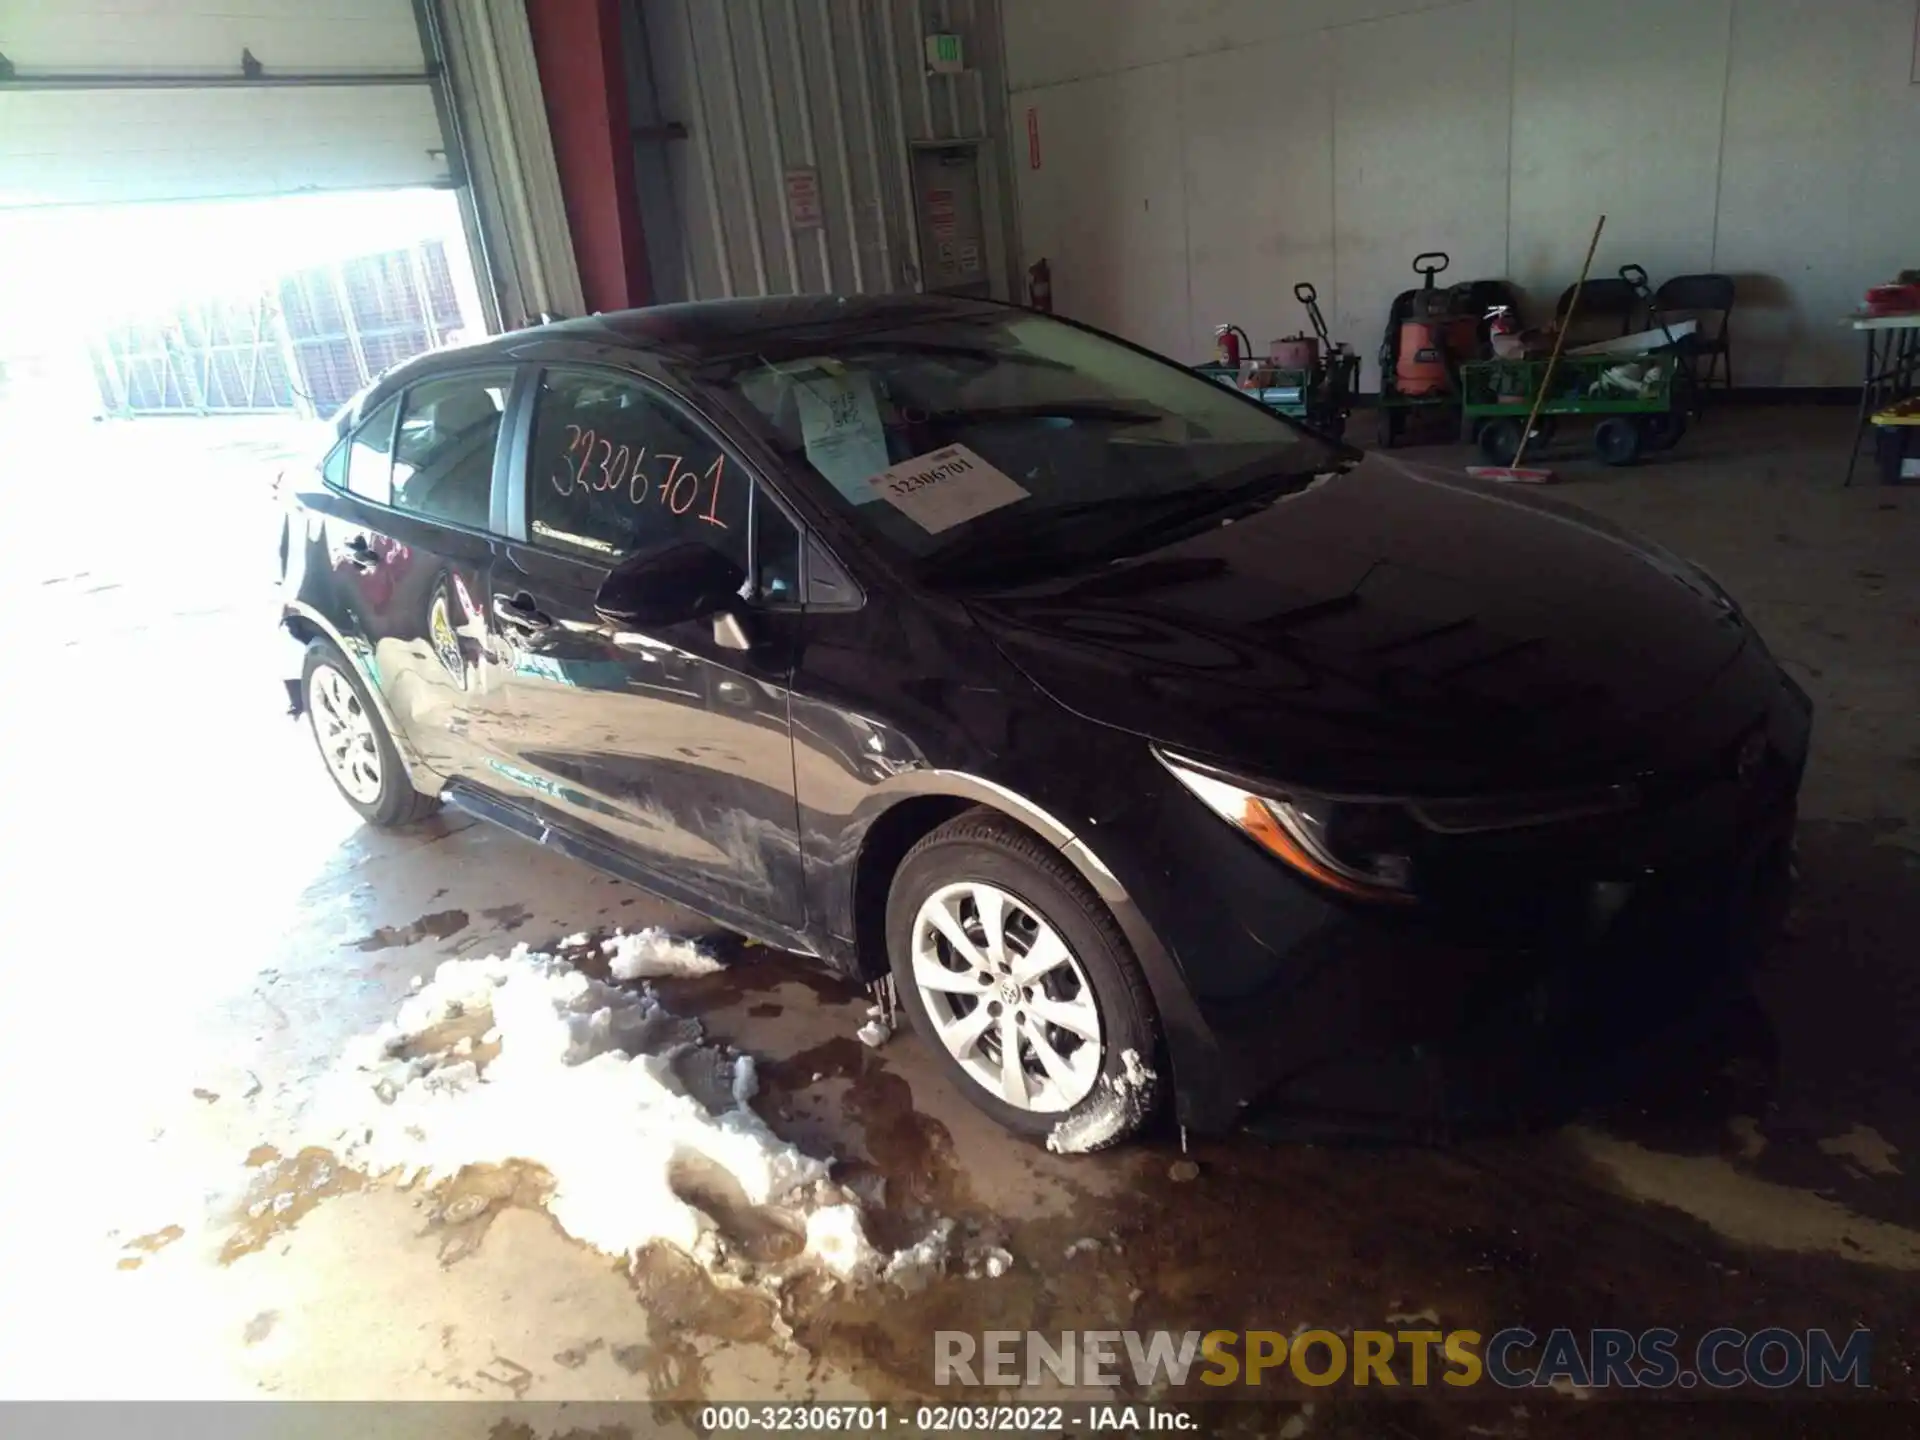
(1200, 156)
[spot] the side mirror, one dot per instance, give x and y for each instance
(669, 586)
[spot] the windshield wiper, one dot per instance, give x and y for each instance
(1062, 410)
(1157, 518)
(1229, 502)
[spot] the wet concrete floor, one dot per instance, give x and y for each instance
(199, 926)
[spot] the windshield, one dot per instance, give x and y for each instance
(1003, 441)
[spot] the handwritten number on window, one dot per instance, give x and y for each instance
(673, 471)
(569, 474)
(713, 474)
(636, 478)
(623, 467)
(687, 482)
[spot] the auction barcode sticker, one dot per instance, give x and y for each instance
(946, 487)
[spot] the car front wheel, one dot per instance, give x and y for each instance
(354, 744)
(1021, 981)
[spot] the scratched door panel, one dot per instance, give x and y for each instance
(660, 739)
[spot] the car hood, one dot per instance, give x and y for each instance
(1389, 630)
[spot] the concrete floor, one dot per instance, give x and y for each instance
(197, 926)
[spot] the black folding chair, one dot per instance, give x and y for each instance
(1602, 300)
(1703, 298)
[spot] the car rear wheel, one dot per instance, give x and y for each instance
(354, 744)
(1023, 984)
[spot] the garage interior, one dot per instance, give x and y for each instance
(218, 222)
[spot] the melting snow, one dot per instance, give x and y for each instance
(1116, 1107)
(605, 1090)
(987, 1261)
(651, 953)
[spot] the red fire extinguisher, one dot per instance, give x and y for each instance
(1226, 344)
(1040, 286)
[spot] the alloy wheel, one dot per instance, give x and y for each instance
(1008, 998)
(345, 732)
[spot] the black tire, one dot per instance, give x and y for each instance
(398, 802)
(1663, 431)
(984, 846)
(1387, 421)
(1616, 439)
(1500, 440)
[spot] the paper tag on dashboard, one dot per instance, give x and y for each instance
(946, 487)
(840, 426)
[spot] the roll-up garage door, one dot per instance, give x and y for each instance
(103, 101)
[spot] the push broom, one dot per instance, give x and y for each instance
(1516, 472)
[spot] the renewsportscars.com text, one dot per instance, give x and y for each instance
(1514, 1358)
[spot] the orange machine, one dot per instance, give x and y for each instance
(1435, 337)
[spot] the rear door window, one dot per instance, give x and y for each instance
(443, 454)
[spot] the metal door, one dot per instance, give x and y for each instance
(949, 214)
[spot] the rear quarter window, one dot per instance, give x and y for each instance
(370, 456)
(333, 469)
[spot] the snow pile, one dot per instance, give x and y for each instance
(652, 952)
(601, 1087)
(1115, 1108)
(987, 1262)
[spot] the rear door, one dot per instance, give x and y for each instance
(672, 743)
(412, 548)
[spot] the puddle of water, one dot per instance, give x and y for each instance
(437, 926)
(464, 1208)
(761, 1238)
(1865, 1147)
(148, 1245)
(259, 1327)
(508, 917)
(1747, 1210)
(281, 1195)
(684, 1305)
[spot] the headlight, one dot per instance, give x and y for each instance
(1353, 848)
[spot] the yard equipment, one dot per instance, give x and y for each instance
(1663, 431)
(1507, 466)
(1510, 404)
(1430, 334)
(1308, 378)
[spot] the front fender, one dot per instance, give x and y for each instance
(1201, 1100)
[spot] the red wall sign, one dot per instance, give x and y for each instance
(1033, 137)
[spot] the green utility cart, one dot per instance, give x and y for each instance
(1320, 398)
(1636, 399)
(1319, 395)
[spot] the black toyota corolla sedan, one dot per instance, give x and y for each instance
(1162, 752)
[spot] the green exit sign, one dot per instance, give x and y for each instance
(944, 56)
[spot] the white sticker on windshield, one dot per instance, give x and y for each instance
(840, 424)
(946, 487)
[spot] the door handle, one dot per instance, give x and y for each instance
(520, 613)
(361, 556)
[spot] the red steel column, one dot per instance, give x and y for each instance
(576, 44)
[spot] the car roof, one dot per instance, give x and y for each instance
(689, 332)
(711, 329)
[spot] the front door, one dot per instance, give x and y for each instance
(673, 744)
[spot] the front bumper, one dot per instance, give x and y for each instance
(1531, 1035)
(1519, 999)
